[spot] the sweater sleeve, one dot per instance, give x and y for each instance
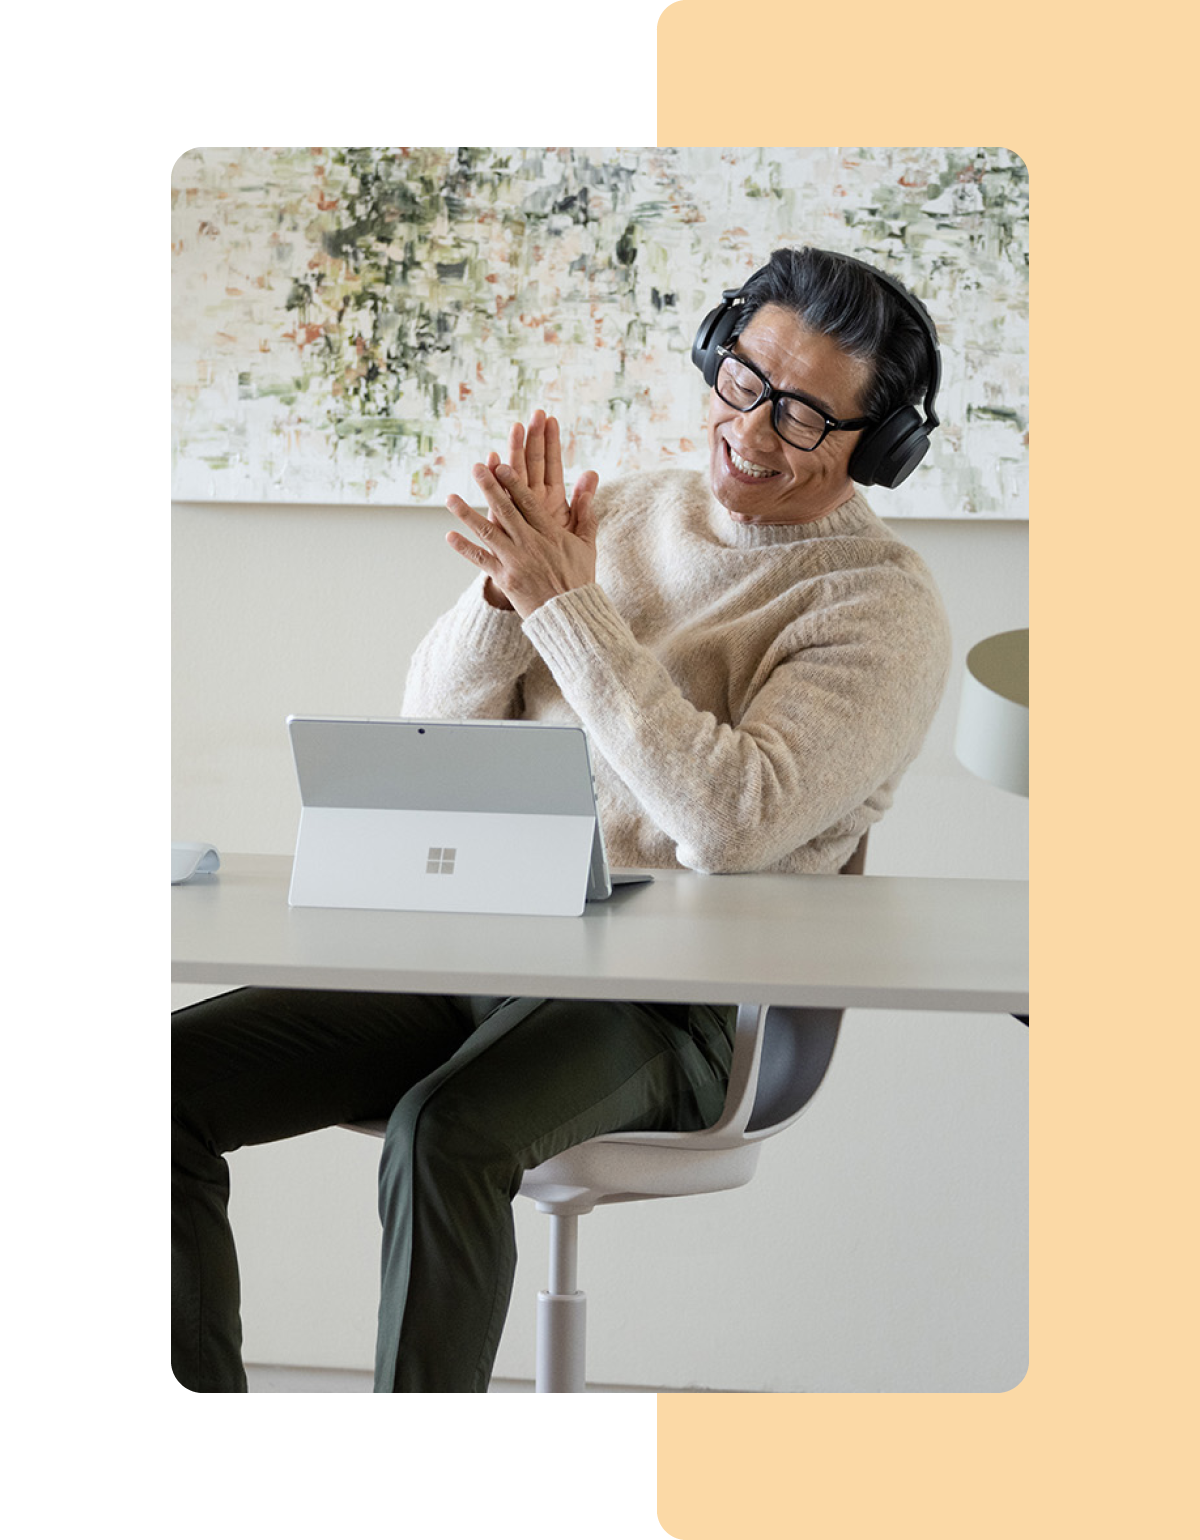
(842, 710)
(470, 663)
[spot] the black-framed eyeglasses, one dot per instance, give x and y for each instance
(798, 422)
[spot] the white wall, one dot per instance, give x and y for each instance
(882, 1245)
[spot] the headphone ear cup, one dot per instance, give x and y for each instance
(891, 450)
(714, 331)
(703, 332)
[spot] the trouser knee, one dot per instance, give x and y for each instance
(193, 1154)
(434, 1140)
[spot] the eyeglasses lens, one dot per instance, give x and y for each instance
(741, 388)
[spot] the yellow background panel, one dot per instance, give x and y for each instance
(1093, 1441)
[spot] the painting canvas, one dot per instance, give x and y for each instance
(361, 325)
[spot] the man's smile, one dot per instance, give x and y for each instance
(747, 469)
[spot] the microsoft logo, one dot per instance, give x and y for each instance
(440, 861)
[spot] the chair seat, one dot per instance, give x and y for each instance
(620, 1171)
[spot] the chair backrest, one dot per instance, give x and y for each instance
(797, 1047)
(857, 864)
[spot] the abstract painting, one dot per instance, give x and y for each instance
(359, 326)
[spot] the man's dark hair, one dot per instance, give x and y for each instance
(843, 299)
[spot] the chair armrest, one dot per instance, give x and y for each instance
(743, 1071)
(729, 1129)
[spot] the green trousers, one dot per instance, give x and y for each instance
(476, 1091)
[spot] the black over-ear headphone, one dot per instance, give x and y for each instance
(889, 450)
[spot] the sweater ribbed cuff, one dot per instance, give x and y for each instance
(492, 633)
(573, 628)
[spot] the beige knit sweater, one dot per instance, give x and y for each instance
(751, 693)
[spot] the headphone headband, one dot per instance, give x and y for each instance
(917, 310)
(890, 449)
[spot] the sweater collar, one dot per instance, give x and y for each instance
(852, 517)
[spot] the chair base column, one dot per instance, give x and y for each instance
(561, 1342)
(562, 1314)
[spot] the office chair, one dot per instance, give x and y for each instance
(780, 1057)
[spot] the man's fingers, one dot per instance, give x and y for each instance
(535, 450)
(518, 494)
(502, 504)
(481, 526)
(474, 553)
(516, 449)
(582, 521)
(485, 530)
(553, 471)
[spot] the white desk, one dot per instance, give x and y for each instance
(912, 943)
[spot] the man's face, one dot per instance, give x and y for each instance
(756, 475)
